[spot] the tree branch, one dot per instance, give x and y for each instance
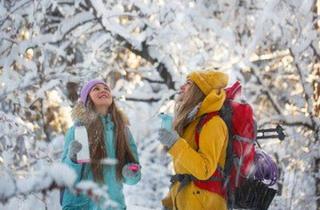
(143, 52)
(307, 96)
(153, 81)
(291, 121)
(13, 11)
(148, 100)
(273, 101)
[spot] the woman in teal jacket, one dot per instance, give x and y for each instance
(108, 137)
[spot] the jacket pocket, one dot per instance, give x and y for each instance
(209, 200)
(199, 196)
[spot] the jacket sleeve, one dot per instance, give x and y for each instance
(69, 137)
(133, 179)
(202, 163)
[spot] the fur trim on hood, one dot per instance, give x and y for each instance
(82, 114)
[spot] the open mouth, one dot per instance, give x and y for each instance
(103, 96)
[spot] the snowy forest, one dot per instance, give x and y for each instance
(144, 49)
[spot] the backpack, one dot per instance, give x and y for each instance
(236, 182)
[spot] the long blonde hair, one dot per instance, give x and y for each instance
(97, 146)
(190, 100)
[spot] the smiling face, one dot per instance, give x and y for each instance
(101, 96)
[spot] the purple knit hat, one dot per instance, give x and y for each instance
(87, 88)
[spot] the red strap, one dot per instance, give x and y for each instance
(203, 120)
(212, 186)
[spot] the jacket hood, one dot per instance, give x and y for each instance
(212, 84)
(212, 102)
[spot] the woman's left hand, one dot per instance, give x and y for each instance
(131, 170)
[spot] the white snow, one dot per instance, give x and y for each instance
(270, 46)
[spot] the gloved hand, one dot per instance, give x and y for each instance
(130, 170)
(167, 138)
(74, 148)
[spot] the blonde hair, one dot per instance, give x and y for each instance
(97, 146)
(190, 100)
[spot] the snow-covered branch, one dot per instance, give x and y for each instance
(139, 47)
(144, 49)
(147, 100)
(45, 180)
(289, 121)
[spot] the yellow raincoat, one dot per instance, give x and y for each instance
(202, 162)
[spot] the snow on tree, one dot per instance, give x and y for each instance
(144, 49)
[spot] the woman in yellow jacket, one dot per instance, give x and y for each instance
(202, 93)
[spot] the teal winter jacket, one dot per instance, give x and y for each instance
(71, 201)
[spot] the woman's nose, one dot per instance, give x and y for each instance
(103, 91)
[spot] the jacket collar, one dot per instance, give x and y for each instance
(83, 116)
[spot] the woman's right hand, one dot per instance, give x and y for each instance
(74, 148)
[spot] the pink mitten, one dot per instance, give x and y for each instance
(133, 167)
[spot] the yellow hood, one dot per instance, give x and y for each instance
(213, 102)
(211, 83)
